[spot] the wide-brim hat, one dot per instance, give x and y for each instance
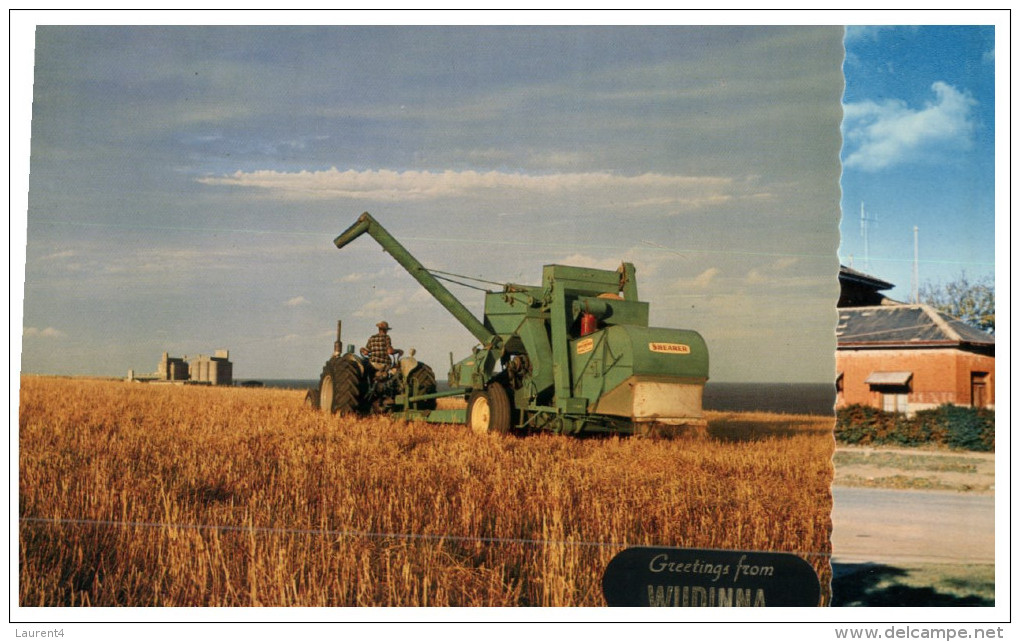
(382, 325)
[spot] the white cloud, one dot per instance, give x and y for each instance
(583, 260)
(65, 254)
(856, 33)
(395, 186)
(420, 295)
(113, 263)
(295, 301)
(755, 277)
(47, 333)
(890, 133)
(526, 157)
(385, 302)
(385, 273)
(704, 279)
(785, 262)
(778, 275)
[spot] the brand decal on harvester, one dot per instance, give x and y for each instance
(585, 345)
(672, 348)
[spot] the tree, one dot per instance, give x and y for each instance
(973, 302)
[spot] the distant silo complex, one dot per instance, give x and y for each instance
(216, 370)
(172, 369)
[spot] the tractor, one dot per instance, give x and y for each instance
(352, 384)
(572, 355)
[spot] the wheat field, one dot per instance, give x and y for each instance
(164, 495)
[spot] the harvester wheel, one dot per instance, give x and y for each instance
(489, 410)
(341, 391)
(423, 380)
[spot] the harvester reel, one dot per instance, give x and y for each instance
(489, 410)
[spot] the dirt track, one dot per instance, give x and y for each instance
(905, 527)
(886, 512)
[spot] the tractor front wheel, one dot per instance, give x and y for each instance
(312, 399)
(422, 381)
(489, 410)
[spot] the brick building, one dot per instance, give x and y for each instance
(907, 357)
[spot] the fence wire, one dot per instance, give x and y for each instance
(322, 532)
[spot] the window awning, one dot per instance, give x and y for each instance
(887, 378)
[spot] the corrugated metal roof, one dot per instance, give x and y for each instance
(900, 325)
(967, 333)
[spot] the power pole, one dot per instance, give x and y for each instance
(916, 285)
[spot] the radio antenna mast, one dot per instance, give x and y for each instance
(865, 220)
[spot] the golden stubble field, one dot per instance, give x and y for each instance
(162, 495)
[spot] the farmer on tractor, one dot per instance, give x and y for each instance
(379, 348)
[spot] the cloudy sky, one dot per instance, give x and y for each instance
(919, 151)
(187, 182)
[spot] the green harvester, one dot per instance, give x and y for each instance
(572, 355)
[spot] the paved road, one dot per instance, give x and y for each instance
(895, 526)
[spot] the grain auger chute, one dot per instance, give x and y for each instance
(574, 354)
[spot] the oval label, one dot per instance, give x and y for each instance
(669, 348)
(585, 345)
(659, 576)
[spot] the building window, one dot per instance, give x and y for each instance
(979, 389)
(894, 400)
(892, 388)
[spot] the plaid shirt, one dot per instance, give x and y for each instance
(378, 347)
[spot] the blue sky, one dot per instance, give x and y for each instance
(187, 182)
(919, 151)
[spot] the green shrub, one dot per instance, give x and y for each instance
(953, 426)
(960, 427)
(856, 424)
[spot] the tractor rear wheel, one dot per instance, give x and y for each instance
(423, 382)
(341, 389)
(489, 410)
